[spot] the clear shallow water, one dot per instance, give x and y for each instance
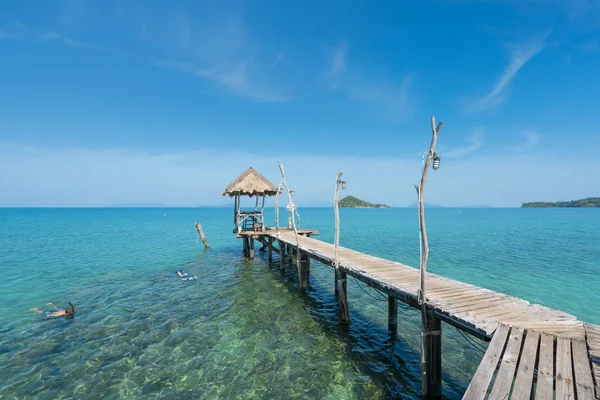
(241, 330)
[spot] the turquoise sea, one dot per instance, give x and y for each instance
(243, 331)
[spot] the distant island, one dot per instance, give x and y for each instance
(353, 202)
(590, 202)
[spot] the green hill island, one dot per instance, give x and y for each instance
(590, 202)
(353, 202)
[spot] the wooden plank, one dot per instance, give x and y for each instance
(584, 384)
(524, 379)
(481, 380)
(544, 388)
(564, 374)
(506, 373)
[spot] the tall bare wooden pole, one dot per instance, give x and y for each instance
(431, 335)
(340, 277)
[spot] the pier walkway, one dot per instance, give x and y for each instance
(530, 343)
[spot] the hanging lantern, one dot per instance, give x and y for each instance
(436, 162)
(344, 185)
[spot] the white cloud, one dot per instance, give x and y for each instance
(475, 141)
(388, 96)
(531, 140)
(338, 66)
(215, 47)
(84, 177)
(519, 55)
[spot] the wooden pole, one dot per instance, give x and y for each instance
(393, 314)
(251, 254)
(302, 257)
(431, 340)
(201, 233)
(431, 359)
(277, 208)
(270, 248)
(281, 256)
(245, 246)
(340, 277)
(262, 213)
(235, 202)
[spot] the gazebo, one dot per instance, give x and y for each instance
(250, 183)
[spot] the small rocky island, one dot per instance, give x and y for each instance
(590, 202)
(353, 202)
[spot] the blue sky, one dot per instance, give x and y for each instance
(146, 101)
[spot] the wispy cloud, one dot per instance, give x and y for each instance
(519, 55)
(531, 140)
(338, 66)
(389, 97)
(474, 143)
(215, 48)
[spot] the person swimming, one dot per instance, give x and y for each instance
(185, 277)
(56, 312)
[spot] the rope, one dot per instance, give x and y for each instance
(367, 293)
(384, 298)
(473, 344)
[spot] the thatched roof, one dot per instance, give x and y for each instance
(250, 183)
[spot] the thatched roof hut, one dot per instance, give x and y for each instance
(250, 183)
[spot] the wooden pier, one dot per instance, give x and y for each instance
(534, 351)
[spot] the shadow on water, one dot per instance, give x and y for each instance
(389, 360)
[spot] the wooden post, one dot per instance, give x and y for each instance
(393, 315)
(340, 277)
(431, 332)
(270, 250)
(307, 264)
(431, 359)
(251, 253)
(302, 256)
(245, 246)
(281, 256)
(295, 255)
(341, 285)
(201, 233)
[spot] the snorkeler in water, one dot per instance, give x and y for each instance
(56, 312)
(185, 277)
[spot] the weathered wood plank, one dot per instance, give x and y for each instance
(506, 373)
(481, 380)
(524, 378)
(544, 389)
(564, 373)
(584, 384)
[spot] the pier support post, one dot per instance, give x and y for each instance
(431, 358)
(270, 250)
(393, 315)
(251, 253)
(245, 246)
(281, 256)
(341, 284)
(302, 269)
